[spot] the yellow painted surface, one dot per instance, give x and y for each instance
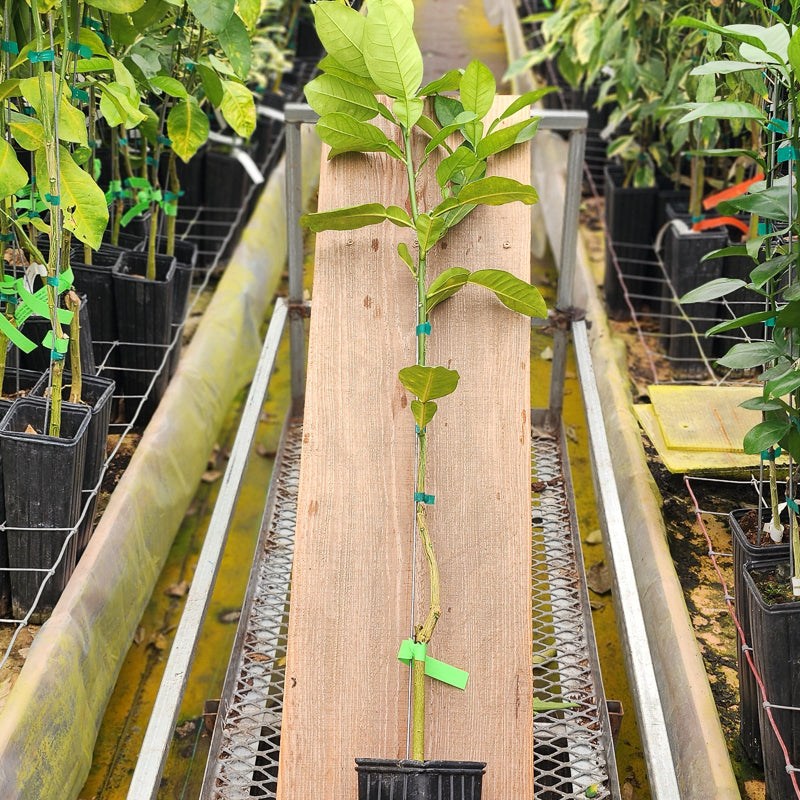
(707, 418)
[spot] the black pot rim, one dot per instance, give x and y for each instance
(402, 765)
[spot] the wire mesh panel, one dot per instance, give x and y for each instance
(571, 746)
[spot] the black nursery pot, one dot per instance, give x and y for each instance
(42, 478)
(776, 645)
(144, 320)
(388, 779)
(630, 214)
(747, 554)
(98, 394)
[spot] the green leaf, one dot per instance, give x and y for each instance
(345, 134)
(116, 105)
(341, 31)
(328, 94)
(405, 255)
(27, 132)
(83, 203)
(746, 355)
(352, 217)
(769, 269)
(121, 29)
(493, 191)
(477, 89)
(423, 412)
(722, 109)
(446, 285)
(168, 85)
(71, 122)
(793, 51)
(527, 99)
(391, 52)
(741, 322)
(516, 294)
(408, 110)
(439, 137)
(505, 138)
(771, 203)
(249, 11)
(212, 85)
(459, 160)
(149, 125)
(187, 127)
(117, 6)
(449, 82)
(429, 231)
(123, 77)
(765, 435)
(723, 67)
(712, 290)
(238, 108)
(429, 383)
(782, 386)
(13, 176)
(235, 42)
(789, 316)
(447, 109)
(213, 15)
(760, 404)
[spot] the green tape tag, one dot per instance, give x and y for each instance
(787, 153)
(37, 303)
(40, 56)
(424, 328)
(438, 670)
(6, 237)
(53, 199)
(164, 140)
(92, 23)
(82, 50)
(16, 336)
(61, 345)
(765, 453)
(421, 497)
(793, 505)
(80, 94)
(10, 47)
(133, 212)
(778, 126)
(137, 183)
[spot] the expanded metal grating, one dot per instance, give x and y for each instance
(572, 750)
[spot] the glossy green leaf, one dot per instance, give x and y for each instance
(780, 387)
(444, 286)
(352, 217)
(83, 203)
(249, 11)
(449, 82)
(345, 134)
(123, 76)
(789, 316)
(116, 105)
(71, 122)
(235, 43)
(765, 435)
(723, 109)
(493, 191)
(187, 127)
(238, 108)
(429, 231)
(407, 110)
(330, 66)
(747, 355)
(740, 322)
(516, 294)
(760, 404)
(214, 15)
(793, 52)
(121, 29)
(117, 6)
(328, 94)
(212, 85)
(769, 269)
(505, 138)
(429, 383)
(341, 31)
(149, 125)
(723, 67)
(168, 85)
(405, 255)
(712, 290)
(461, 159)
(439, 137)
(527, 99)
(447, 109)
(13, 176)
(478, 89)
(423, 412)
(391, 52)
(772, 203)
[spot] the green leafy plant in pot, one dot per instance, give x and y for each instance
(374, 68)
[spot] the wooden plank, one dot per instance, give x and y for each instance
(346, 693)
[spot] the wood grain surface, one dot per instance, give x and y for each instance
(346, 694)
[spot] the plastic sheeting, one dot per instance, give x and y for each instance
(51, 719)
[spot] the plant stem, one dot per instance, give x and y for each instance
(73, 304)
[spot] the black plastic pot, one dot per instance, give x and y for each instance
(36, 328)
(42, 478)
(747, 554)
(630, 222)
(97, 393)
(776, 645)
(385, 779)
(144, 321)
(684, 250)
(95, 281)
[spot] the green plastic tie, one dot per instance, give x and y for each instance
(40, 56)
(778, 126)
(765, 453)
(424, 328)
(151, 161)
(792, 505)
(438, 670)
(52, 280)
(787, 154)
(164, 140)
(53, 199)
(37, 303)
(80, 94)
(15, 335)
(123, 141)
(6, 237)
(699, 218)
(82, 50)
(770, 323)
(92, 23)
(8, 46)
(419, 430)
(421, 497)
(764, 228)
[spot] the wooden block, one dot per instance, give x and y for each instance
(346, 693)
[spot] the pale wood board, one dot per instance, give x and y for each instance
(346, 693)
